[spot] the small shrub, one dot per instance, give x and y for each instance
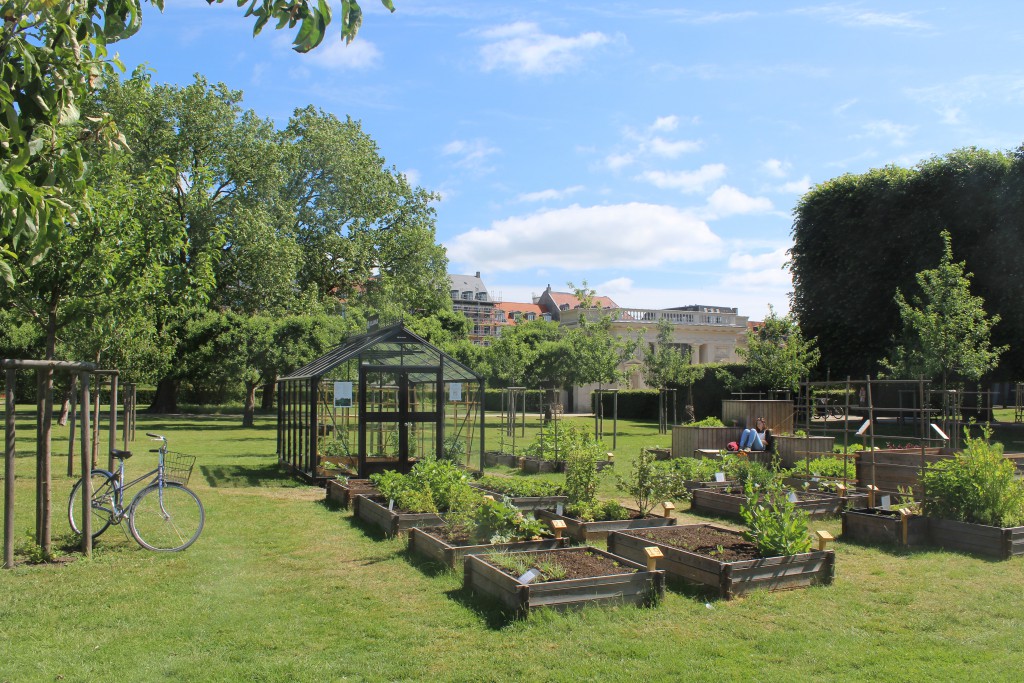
(977, 485)
(777, 527)
(519, 486)
(498, 522)
(430, 486)
(707, 422)
(649, 484)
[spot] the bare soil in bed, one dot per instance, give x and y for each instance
(718, 544)
(577, 565)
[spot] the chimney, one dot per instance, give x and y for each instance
(478, 273)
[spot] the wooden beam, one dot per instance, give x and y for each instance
(9, 451)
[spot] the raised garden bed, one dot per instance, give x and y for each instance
(687, 440)
(723, 560)
(988, 541)
(374, 510)
(727, 503)
(793, 450)
(895, 468)
(496, 459)
(588, 531)
(431, 545)
(542, 466)
(526, 503)
(594, 577)
(875, 525)
(691, 484)
(341, 491)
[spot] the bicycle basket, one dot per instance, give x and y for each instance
(178, 467)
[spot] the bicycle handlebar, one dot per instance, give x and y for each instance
(156, 436)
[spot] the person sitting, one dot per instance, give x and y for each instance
(756, 439)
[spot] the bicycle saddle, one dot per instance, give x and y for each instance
(119, 454)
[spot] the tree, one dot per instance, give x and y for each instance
(946, 331)
(777, 356)
(667, 363)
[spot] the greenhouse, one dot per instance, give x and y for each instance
(379, 401)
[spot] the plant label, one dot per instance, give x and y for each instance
(719, 476)
(558, 509)
(884, 502)
(529, 576)
(391, 505)
(814, 480)
(792, 497)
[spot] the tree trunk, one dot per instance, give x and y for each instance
(269, 391)
(250, 404)
(165, 400)
(45, 490)
(65, 405)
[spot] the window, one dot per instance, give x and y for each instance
(455, 294)
(564, 307)
(468, 295)
(481, 296)
(531, 316)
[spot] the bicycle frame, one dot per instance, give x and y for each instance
(119, 510)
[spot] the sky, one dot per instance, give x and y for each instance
(655, 150)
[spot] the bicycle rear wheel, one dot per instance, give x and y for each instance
(167, 518)
(102, 503)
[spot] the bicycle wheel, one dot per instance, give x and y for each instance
(102, 503)
(168, 518)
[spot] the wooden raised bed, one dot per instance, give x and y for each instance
(729, 579)
(727, 504)
(526, 503)
(589, 531)
(793, 450)
(875, 525)
(495, 459)
(422, 542)
(641, 587)
(777, 414)
(542, 466)
(893, 468)
(988, 541)
(687, 440)
(341, 492)
(370, 510)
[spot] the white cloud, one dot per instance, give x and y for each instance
(685, 181)
(728, 201)
(617, 161)
(337, 55)
(760, 271)
(470, 153)
(412, 176)
(548, 195)
(617, 236)
(665, 123)
(671, 148)
(896, 133)
(843, 106)
(776, 168)
(795, 186)
(857, 18)
(523, 48)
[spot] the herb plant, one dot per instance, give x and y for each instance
(777, 527)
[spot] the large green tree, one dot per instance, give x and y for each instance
(946, 332)
(777, 356)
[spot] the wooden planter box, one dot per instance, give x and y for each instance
(727, 504)
(495, 459)
(639, 588)
(423, 543)
(542, 466)
(988, 541)
(687, 440)
(661, 453)
(341, 492)
(691, 484)
(793, 450)
(874, 525)
(896, 467)
(731, 578)
(588, 531)
(527, 503)
(391, 522)
(777, 414)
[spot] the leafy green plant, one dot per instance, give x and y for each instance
(598, 511)
(430, 486)
(581, 478)
(777, 527)
(498, 522)
(825, 466)
(707, 422)
(977, 485)
(454, 448)
(648, 484)
(519, 486)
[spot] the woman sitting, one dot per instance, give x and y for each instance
(757, 439)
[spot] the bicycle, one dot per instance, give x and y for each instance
(164, 516)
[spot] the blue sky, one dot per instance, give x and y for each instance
(655, 149)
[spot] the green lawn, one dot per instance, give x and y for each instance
(280, 587)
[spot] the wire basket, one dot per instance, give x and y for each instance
(178, 467)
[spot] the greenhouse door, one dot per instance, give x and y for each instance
(401, 416)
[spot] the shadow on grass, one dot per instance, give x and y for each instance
(429, 568)
(489, 610)
(895, 550)
(239, 476)
(372, 531)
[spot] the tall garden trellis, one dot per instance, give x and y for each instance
(379, 401)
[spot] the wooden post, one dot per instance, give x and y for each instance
(905, 525)
(824, 538)
(558, 526)
(86, 469)
(653, 555)
(872, 490)
(9, 452)
(668, 509)
(71, 429)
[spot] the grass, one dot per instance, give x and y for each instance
(280, 587)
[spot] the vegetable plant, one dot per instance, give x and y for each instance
(648, 484)
(777, 527)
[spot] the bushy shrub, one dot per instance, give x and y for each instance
(498, 522)
(825, 466)
(707, 422)
(977, 485)
(519, 486)
(430, 486)
(648, 484)
(777, 527)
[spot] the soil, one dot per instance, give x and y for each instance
(578, 565)
(704, 540)
(801, 496)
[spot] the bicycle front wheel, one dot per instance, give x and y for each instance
(166, 518)
(103, 495)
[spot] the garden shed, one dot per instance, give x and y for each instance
(379, 401)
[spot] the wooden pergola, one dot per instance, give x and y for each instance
(379, 401)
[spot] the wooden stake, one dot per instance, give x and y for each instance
(653, 555)
(905, 525)
(824, 538)
(9, 453)
(841, 490)
(558, 526)
(872, 490)
(669, 508)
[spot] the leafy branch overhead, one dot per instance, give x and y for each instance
(312, 20)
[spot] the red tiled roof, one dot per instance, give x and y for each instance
(523, 308)
(562, 298)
